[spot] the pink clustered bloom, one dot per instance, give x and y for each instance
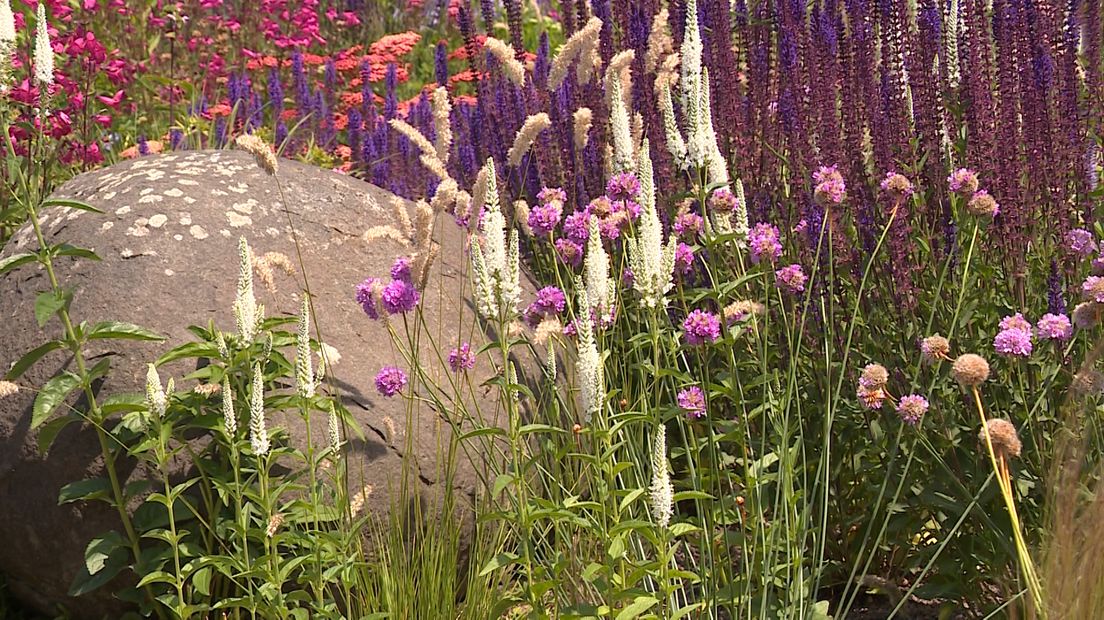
(575, 227)
(544, 217)
(570, 252)
(390, 381)
(701, 327)
(911, 408)
(688, 225)
(963, 181)
(1054, 327)
(830, 188)
(623, 186)
(763, 243)
(1080, 242)
(1015, 336)
(684, 259)
(692, 401)
(550, 302)
(722, 201)
(461, 358)
(364, 297)
(792, 278)
(1093, 288)
(397, 296)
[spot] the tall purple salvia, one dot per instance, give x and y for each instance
(299, 82)
(275, 90)
(513, 22)
(440, 64)
(355, 132)
(390, 98)
(1056, 303)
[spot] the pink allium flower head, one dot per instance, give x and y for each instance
(1080, 242)
(623, 186)
(701, 327)
(364, 297)
(390, 381)
(870, 398)
(722, 201)
(1097, 266)
(684, 259)
(897, 185)
(544, 218)
(830, 187)
(1013, 342)
(551, 194)
(983, 205)
(792, 278)
(763, 243)
(399, 296)
(1054, 327)
(692, 401)
(688, 225)
(1093, 289)
(1016, 321)
(550, 301)
(911, 408)
(801, 226)
(461, 358)
(934, 348)
(1086, 315)
(570, 253)
(400, 270)
(576, 226)
(963, 181)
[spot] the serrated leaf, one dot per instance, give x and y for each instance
(15, 260)
(69, 202)
(117, 330)
(53, 394)
(639, 606)
(29, 358)
(48, 303)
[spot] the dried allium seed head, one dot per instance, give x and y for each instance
(356, 502)
(207, 389)
(934, 348)
(970, 370)
(1088, 382)
(7, 388)
(259, 149)
(874, 377)
(1002, 434)
(547, 329)
(1086, 315)
(741, 310)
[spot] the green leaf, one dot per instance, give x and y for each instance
(48, 303)
(630, 498)
(157, 576)
(503, 559)
(680, 529)
(616, 548)
(114, 559)
(31, 357)
(68, 202)
(116, 330)
(53, 394)
(98, 551)
(639, 606)
(49, 431)
(16, 260)
(71, 250)
(84, 490)
(188, 349)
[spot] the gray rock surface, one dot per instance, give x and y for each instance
(168, 242)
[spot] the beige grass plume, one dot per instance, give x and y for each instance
(526, 135)
(259, 149)
(429, 157)
(583, 119)
(511, 66)
(579, 43)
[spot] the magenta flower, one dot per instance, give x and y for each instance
(390, 381)
(575, 227)
(792, 278)
(1080, 242)
(544, 218)
(684, 259)
(701, 327)
(911, 408)
(400, 270)
(1013, 342)
(963, 181)
(623, 186)
(399, 296)
(1054, 327)
(550, 301)
(692, 401)
(830, 187)
(722, 201)
(364, 297)
(763, 242)
(688, 225)
(1093, 288)
(570, 253)
(461, 358)
(897, 185)
(1016, 321)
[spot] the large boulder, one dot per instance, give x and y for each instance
(168, 243)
